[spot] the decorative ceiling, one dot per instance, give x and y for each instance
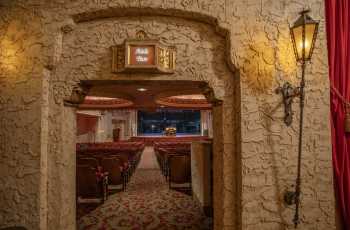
(92, 102)
(145, 95)
(190, 97)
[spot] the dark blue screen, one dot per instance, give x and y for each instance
(185, 121)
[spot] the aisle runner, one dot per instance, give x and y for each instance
(148, 159)
(147, 204)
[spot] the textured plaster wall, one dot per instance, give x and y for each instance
(269, 148)
(21, 132)
(259, 48)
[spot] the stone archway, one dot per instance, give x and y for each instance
(84, 55)
(37, 166)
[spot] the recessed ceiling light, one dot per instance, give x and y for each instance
(142, 89)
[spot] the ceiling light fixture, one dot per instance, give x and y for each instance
(142, 89)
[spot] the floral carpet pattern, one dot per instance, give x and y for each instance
(147, 204)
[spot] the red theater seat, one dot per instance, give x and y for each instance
(90, 189)
(180, 172)
(165, 150)
(128, 153)
(112, 167)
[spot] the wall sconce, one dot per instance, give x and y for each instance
(303, 34)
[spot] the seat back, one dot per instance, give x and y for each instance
(92, 162)
(87, 183)
(14, 228)
(179, 169)
(123, 157)
(113, 166)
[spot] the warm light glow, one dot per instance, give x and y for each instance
(259, 62)
(142, 89)
(306, 45)
(20, 49)
(190, 97)
(286, 60)
(99, 98)
(8, 60)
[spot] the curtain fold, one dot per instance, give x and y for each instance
(338, 40)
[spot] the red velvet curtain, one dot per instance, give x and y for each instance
(338, 37)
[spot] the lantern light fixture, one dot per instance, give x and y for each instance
(303, 34)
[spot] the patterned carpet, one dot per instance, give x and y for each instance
(147, 204)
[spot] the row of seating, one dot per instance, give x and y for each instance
(150, 140)
(105, 167)
(174, 159)
(122, 146)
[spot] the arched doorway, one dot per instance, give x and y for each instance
(201, 56)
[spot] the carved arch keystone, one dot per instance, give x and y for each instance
(77, 96)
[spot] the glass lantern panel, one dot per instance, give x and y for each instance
(307, 43)
(309, 39)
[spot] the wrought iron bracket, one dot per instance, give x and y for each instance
(288, 93)
(289, 197)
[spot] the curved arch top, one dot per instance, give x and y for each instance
(148, 12)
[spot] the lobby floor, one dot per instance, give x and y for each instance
(147, 204)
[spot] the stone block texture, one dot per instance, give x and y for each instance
(240, 48)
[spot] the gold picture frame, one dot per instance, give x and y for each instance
(158, 58)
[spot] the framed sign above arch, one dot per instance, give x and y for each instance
(143, 55)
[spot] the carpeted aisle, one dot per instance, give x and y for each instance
(147, 204)
(148, 159)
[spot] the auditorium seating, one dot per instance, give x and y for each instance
(90, 188)
(151, 140)
(109, 164)
(174, 159)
